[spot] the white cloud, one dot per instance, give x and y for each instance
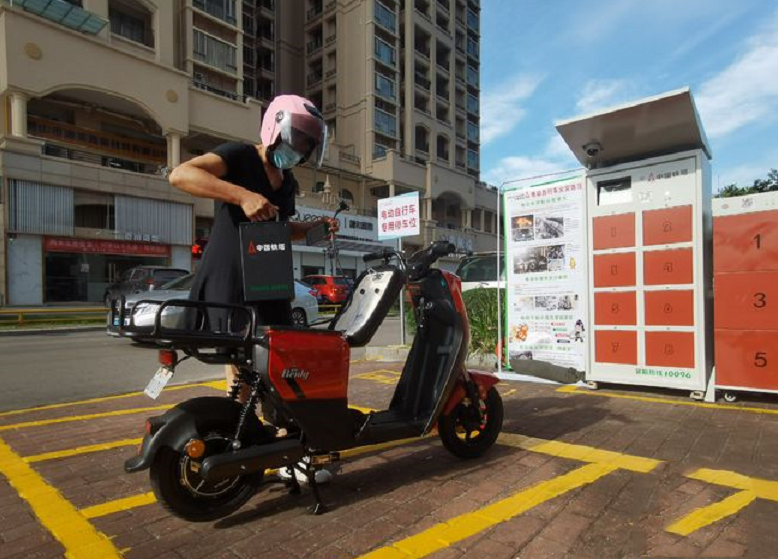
(556, 157)
(746, 92)
(501, 108)
(603, 94)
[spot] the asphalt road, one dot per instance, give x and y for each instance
(53, 367)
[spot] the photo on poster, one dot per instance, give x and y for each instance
(549, 227)
(531, 260)
(523, 228)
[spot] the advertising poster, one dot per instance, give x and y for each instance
(545, 232)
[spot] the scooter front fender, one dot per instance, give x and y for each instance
(483, 380)
(178, 426)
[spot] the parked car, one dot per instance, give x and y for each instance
(480, 270)
(305, 309)
(332, 290)
(140, 279)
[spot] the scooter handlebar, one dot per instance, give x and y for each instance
(382, 254)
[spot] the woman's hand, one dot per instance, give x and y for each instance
(334, 225)
(257, 207)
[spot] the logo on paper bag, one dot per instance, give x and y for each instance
(257, 248)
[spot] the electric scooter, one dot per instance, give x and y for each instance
(207, 456)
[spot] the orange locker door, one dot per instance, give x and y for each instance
(746, 242)
(670, 308)
(615, 308)
(670, 349)
(746, 300)
(616, 347)
(667, 226)
(614, 231)
(614, 270)
(668, 267)
(748, 359)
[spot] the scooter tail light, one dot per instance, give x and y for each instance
(167, 357)
(195, 448)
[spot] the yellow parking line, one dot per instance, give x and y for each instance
(571, 389)
(447, 533)
(713, 513)
(70, 419)
(750, 488)
(81, 450)
(580, 452)
(219, 385)
(79, 538)
(118, 505)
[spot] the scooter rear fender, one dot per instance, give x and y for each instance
(483, 380)
(178, 426)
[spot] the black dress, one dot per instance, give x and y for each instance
(219, 278)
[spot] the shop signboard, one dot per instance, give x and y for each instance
(99, 246)
(545, 248)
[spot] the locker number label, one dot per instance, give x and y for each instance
(760, 359)
(760, 300)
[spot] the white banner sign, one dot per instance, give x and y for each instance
(399, 216)
(546, 268)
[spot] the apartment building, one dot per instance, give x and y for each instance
(398, 83)
(101, 97)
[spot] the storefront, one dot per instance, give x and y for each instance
(48, 269)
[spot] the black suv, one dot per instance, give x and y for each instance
(141, 278)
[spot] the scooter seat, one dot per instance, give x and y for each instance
(375, 292)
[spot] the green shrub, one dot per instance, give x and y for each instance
(481, 305)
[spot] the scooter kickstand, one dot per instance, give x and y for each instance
(319, 507)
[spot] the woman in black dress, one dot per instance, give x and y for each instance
(252, 183)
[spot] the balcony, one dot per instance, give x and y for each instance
(108, 150)
(233, 95)
(330, 107)
(329, 40)
(330, 5)
(331, 73)
(314, 46)
(217, 10)
(314, 12)
(443, 5)
(65, 14)
(422, 82)
(313, 78)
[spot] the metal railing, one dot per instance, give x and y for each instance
(41, 315)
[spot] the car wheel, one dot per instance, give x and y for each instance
(299, 318)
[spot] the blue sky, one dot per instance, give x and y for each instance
(549, 60)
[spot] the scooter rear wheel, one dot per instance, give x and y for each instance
(179, 488)
(466, 435)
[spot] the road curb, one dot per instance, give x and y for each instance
(48, 331)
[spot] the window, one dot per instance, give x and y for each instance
(318, 187)
(472, 20)
(472, 103)
(221, 9)
(472, 76)
(472, 159)
(385, 87)
(385, 123)
(379, 151)
(346, 194)
(128, 26)
(385, 17)
(472, 132)
(214, 52)
(472, 47)
(384, 52)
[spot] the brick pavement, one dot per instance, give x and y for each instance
(394, 495)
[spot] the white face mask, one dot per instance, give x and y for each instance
(284, 157)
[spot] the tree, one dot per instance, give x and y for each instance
(770, 184)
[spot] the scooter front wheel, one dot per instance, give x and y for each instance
(466, 433)
(182, 491)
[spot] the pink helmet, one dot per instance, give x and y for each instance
(295, 121)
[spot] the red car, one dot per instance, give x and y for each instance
(330, 289)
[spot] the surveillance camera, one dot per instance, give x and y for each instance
(592, 149)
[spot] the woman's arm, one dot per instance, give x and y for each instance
(299, 230)
(201, 177)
